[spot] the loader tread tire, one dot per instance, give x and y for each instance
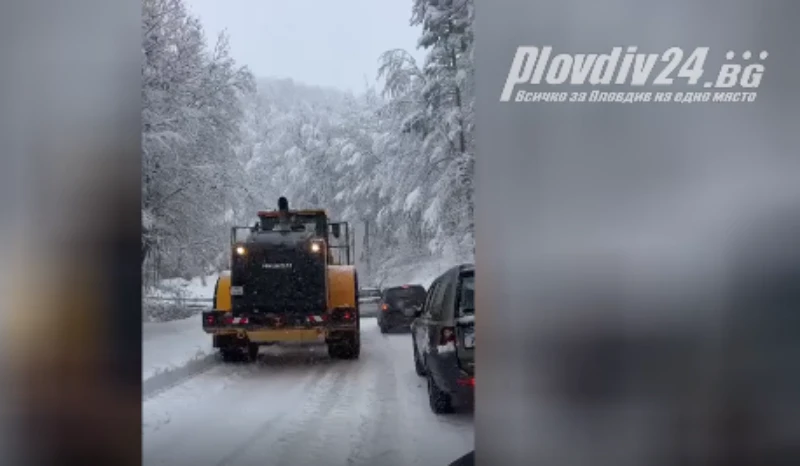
(348, 348)
(251, 353)
(229, 355)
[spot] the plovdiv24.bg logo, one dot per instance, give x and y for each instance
(736, 80)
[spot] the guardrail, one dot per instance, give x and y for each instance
(190, 302)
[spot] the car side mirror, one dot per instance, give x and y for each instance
(336, 230)
(418, 311)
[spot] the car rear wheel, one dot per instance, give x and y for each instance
(440, 401)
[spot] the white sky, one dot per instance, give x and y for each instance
(332, 43)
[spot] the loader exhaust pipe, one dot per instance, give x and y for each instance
(283, 211)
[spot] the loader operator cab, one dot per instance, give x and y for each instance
(313, 224)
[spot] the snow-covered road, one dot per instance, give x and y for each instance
(297, 406)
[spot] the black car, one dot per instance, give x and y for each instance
(399, 306)
(443, 338)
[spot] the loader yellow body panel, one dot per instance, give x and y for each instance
(222, 293)
(341, 286)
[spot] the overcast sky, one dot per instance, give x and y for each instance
(324, 42)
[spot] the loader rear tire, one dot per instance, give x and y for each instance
(251, 352)
(346, 348)
(229, 355)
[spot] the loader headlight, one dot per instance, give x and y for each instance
(240, 250)
(316, 246)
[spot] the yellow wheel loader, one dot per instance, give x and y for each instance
(289, 281)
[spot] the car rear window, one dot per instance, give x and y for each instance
(467, 298)
(414, 294)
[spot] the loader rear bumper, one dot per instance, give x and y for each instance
(261, 329)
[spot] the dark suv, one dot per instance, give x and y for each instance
(399, 306)
(443, 338)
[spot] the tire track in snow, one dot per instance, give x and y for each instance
(435, 439)
(303, 408)
(324, 434)
(383, 432)
(214, 411)
(278, 443)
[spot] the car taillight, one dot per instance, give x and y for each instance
(210, 320)
(466, 381)
(448, 335)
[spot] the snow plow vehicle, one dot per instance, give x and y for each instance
(289, 281)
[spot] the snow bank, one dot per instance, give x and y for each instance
(173, 340)
(193, 289)
(422, 273)
(178, 298)
(167, 346)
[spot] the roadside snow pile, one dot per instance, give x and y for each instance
(172, 345)
(197, 287)
(422, 273)
(177, 298)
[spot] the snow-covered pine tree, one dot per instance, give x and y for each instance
(191, 124)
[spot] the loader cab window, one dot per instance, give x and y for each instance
(297, 223)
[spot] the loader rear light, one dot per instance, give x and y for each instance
(343, 314)
(385, 307)
(447, 335)
(230, 320)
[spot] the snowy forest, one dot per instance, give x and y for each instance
(219, 144)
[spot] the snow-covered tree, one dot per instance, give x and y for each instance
(430, 129)
(191, 127)
(218, 145)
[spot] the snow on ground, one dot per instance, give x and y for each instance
(297, 406)
(172, 345)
